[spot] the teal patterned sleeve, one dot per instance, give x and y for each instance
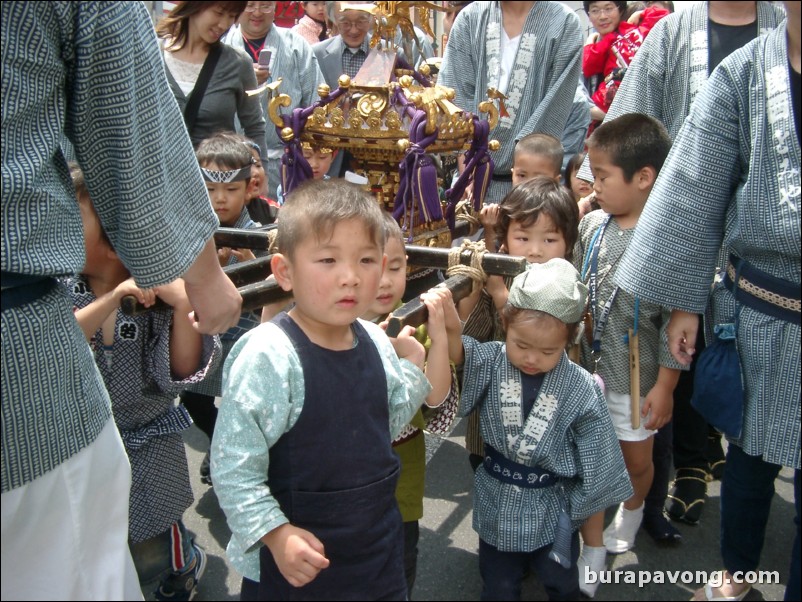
(407, 386)
(481, 360)
(262, 399)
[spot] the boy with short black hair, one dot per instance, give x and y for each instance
(537, 155)
(301, 457)
(625, 155)
(226, 164)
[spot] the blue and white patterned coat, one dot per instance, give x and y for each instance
(568, 432)
(136, 372)
(95, 78)
(542, 83)
(732, 180)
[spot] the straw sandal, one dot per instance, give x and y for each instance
(687, 498)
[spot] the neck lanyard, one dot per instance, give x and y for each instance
(252, 48)
(599, 319)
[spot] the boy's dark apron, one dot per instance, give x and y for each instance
(334, 474)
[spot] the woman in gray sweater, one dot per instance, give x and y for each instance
(190, 33)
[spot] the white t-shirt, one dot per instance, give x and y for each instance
(509, 48)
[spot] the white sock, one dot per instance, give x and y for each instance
(595, 560)
(619, 537)
(594, 556)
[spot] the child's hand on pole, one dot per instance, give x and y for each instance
(407, 347)
(146, 297)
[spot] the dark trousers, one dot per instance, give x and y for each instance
(503, 572)
(661, 458)
(746, 493)
(411, 536)
(249, 590)
(202, 409)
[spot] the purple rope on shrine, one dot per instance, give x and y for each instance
(424, 81)
(417, 178)
(295, 169)
(478, 168)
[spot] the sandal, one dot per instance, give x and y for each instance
(687, 499)
(710, 595)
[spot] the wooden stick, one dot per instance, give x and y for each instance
(634, 378)
(414, 312)
(259, 294)
(131, 307)
(492, 263)
(239, 238)
(246, 272)
(242, 273)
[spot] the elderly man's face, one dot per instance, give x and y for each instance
(353, 25)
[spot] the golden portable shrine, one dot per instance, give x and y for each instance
(391, 118)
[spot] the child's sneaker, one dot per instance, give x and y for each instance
(619, 537)
(184, 586)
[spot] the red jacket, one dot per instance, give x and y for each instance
(618, 46)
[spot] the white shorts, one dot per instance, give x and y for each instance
(65, 534)
(620, 412)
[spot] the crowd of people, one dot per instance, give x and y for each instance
(649, 176)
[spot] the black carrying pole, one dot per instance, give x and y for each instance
(492, 263)
(249, 275)
(241, 274)
(414, 313)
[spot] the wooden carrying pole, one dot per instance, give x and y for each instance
(414, 312)
(241, 274)
(259, 240)
(492, 263)
(249, 275)
(254, 296)
(240, 238)
(634, 378)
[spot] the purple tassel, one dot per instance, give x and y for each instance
(478, 168)
(295, 168)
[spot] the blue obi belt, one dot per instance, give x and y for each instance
(505, 470)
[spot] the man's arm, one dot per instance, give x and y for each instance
(146, 184)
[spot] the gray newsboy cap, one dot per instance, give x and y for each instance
(554, 287)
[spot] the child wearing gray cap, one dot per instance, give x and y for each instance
(549, 440)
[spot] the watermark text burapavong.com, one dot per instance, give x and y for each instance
(715, 578)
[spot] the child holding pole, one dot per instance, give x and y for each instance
(537, 220)
(145, 361)
(409, 445)
(226, 164)
(625, 343)
(551, 457)
(302, 458)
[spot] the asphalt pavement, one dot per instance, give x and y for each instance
(448, 563)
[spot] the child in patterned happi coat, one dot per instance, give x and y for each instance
(549, 441)
(145, 360)
(228, 167)
(537, 220)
